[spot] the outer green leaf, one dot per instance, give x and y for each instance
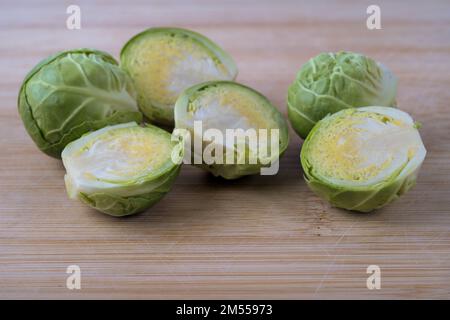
(74, 92)
(120, 206)
(331, 82)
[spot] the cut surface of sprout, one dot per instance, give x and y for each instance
(365, 146)
(111, 158)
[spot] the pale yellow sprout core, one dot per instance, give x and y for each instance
(363, 148)
(163, 66)
(121, 155)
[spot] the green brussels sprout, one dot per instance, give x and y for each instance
(121, 169)
(229, 107)
(363, 158)
(165, 61)
(71, 93)
(331, 82)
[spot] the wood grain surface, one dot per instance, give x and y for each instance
(257, 237)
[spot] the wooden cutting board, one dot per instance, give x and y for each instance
(257, 237)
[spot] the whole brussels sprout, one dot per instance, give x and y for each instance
(165, 61)
(225, 108)
(71, 93)
(121, 169)
(362, 159)
(331, 82)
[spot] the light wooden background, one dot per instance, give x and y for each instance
(258, 237)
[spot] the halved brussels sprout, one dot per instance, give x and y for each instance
(165, 61)
(362, 159)
(226, 106)
(71, 93)
(331, 82)
(121, 169)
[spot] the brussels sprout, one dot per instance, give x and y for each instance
(331, 82)
(362, 159)
(121, 169)
(165, 61)
(71, 93)
(227, 106)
